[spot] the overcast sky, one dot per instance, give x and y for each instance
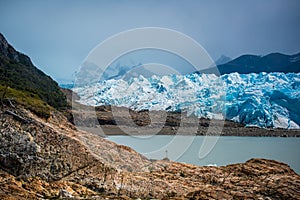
(59, 34)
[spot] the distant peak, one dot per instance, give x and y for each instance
(222, 60)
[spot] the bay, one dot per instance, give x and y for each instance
(217, 151)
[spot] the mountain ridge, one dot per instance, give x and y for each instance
(245, 64)
(18, 72)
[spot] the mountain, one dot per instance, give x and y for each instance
(245, 64)
(18, 72)
(127, 72)
(222, 60)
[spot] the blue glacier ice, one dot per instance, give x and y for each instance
(263, 100)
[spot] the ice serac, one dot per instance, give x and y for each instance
(263, 100)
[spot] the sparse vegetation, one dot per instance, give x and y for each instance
(29, 100)
(23, 76)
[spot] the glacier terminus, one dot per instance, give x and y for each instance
(267, 100)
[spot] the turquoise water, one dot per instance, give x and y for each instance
(216, 150)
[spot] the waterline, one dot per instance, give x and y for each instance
(228, 150)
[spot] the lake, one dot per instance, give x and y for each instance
(202, 150)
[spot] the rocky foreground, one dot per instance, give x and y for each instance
(49, 159)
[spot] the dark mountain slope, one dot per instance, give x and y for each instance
(18, 72)
(274, 62)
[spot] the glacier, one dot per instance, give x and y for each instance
(268, 100)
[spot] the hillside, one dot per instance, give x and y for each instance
(52, 159)
(18, 72)
(274, 62)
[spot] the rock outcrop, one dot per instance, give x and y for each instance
(52, 159)
(7, 50)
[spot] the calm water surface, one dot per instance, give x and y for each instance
(227, 150)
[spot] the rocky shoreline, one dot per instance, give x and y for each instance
(52, 159)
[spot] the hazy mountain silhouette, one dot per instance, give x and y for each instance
(245, 64)
(222, 60)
